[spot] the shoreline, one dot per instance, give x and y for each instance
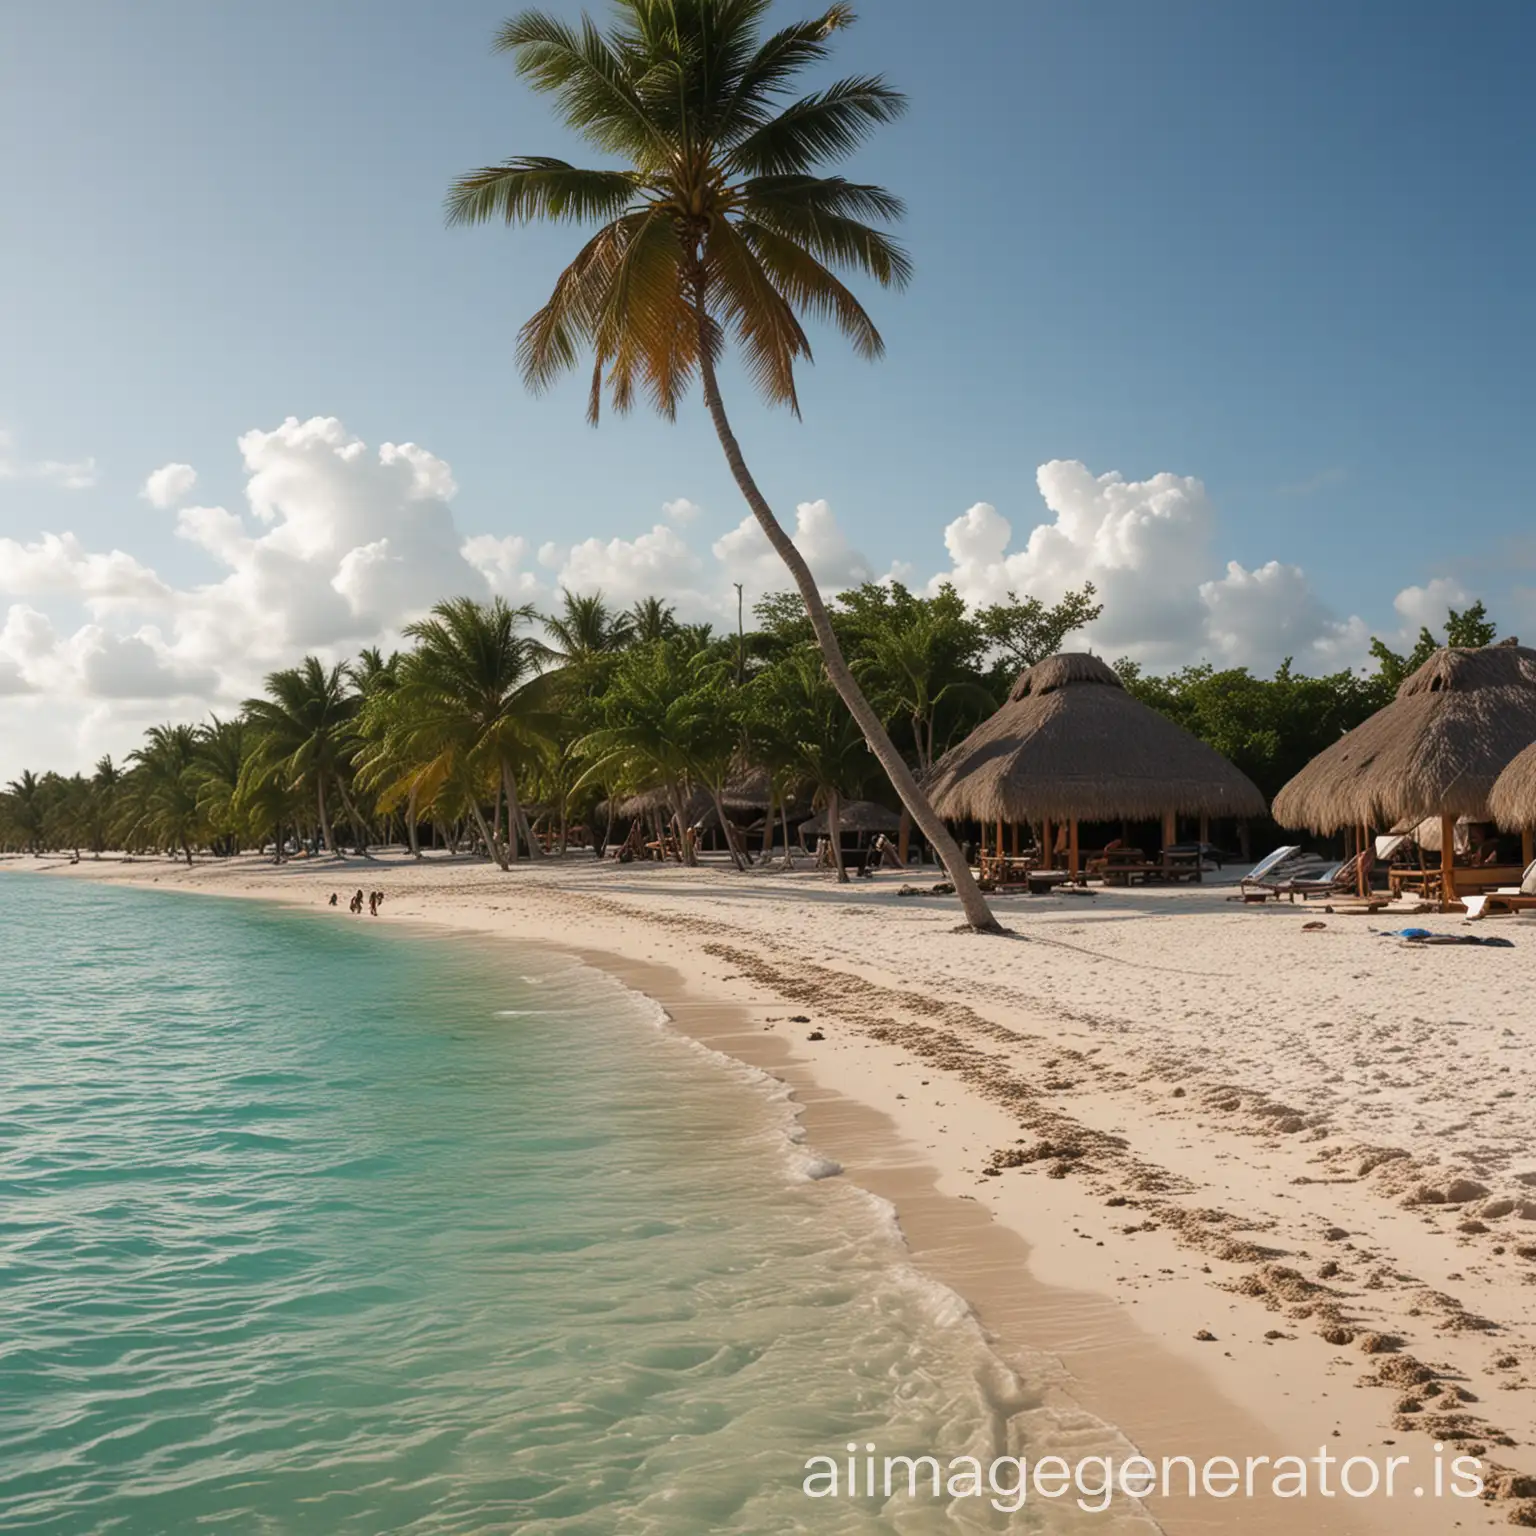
(1041, 1261)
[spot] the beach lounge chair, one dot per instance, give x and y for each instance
(1505, 900)
(1345, 880)
(1274, 874)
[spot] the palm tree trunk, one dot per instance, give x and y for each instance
(410, 825)
(725, 828)
(517, 822)
(325, 815)
(978, 914)
(835, 832)
(789, 852)
(359, 836)
(494, 846)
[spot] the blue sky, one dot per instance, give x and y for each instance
(1285, 249)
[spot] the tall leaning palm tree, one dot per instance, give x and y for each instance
(719, 225)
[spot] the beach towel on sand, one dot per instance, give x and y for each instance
(1419, 937)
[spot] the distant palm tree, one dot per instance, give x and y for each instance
(471, 704)
(304, 730)
(26, 809)
(163, 789)
(719, 224)
(585, 629)
(806, 741)
(652, 619)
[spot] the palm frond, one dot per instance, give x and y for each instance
(824, 126)
(530, 187)
(804, 213)
(770, 336)
(590, 79)
(812, 289)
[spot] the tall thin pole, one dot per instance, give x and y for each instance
(741, 639)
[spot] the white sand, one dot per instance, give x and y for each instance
(1204, 1094)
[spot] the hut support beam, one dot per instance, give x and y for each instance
(999, 837)
(1170, 830)
(1527, 839)
(1447, 862)
(1048, 846)
(1072, 860)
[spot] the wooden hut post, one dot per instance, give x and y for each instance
(1072, 864)
(1205, 828)
(1170, 830)
(1014, 830)
(999, 837)
(1363, 881)
(1526, 840)
(1048, 845)
(1447, 862)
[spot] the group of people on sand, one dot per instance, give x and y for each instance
(374, 899)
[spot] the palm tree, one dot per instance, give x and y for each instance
(585, 629)
(652, 619)
(720, 225)
(27, 809)
(671, 720)
(471, 704)
(806, 740)
(163, 789)
(304, 735)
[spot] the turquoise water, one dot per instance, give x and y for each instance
(309, 1225)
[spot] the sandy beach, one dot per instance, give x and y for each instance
(1254, 1188)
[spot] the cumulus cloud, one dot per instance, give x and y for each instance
(625, 570)
(1149, 549)
(338, 545)
(749, 558)
(76, 475)
(59, 564)
(168, 485)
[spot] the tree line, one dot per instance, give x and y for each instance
(496, 729)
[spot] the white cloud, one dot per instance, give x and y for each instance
(340, 545)
(749, 558)
(78, 475)
(58, 564)
(1148, 548)
(625, 570)
(168, 485)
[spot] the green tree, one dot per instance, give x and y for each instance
(1024, 631)
(304, 733)
(720, 224)
(797, 729)
(162, 790)
(1471, 627)
(473, 707)
(671, 719)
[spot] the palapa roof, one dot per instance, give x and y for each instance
(1072, 744)
(854, 816)
(1435, 750)
(1512, 801)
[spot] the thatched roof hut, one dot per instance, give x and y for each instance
(1512, 801)
(750, 790)
(853, 816)
(1072, 745)
(1435, 750)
